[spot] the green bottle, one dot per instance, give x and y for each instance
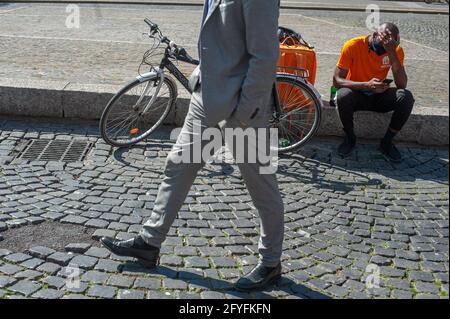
(333, 96)
(284, 142)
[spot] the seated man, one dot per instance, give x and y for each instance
(360, 79)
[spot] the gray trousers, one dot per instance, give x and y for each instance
(179, 177)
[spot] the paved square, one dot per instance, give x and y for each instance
(108, 46)
(359, 227)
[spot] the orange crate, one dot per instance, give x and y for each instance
(297, 55)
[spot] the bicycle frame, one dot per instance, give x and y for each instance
(166, 63)
(177, 74)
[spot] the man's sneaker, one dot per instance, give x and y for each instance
(390, 152)
(135, 247)
(259, 278)
(347, 146)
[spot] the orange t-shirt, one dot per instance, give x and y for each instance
(364, 65)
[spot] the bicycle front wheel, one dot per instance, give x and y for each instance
(125, 120)
(300, 113)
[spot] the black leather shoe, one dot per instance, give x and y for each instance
(136, 247)
(347, 146)
(259, 278)
(390, 152)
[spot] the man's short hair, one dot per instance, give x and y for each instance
(392, 27)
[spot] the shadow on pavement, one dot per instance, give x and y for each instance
(285, 285)
(314, 175)
(119, 155)
(366, 168)
(318, 164)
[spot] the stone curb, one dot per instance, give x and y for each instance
(303, 6)
(54, 99)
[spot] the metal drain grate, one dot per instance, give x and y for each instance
(56, 150)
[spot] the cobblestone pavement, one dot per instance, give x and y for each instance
(108, 47)
(346, 220)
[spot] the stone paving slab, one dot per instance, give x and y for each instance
(344, 219)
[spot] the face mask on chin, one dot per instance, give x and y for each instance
(376, 47)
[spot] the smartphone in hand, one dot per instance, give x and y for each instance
(388, 81)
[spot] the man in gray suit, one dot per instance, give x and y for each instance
(232, 88)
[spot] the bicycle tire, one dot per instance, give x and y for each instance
(103, 120)
(286, 78)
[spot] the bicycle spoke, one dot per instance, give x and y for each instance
(295, 128)
(126, 127)
(299, 102)
(119, 131)
(293, 96)
(298, 99)
(299, 127)
(120, 123)
(291, 120)
(119, 120)
(158, 106)
(121, 116)
(117, 124)
(288, 136)
(290, 91)
(285, 132)
(286, 92)
(297, 112)
(158, 103)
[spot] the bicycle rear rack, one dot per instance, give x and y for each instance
(297, 73)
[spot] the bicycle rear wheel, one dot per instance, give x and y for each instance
(124, 123)
(300, 114)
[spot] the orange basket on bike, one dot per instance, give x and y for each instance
(295, 52)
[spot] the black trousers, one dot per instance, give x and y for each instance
(399, 101)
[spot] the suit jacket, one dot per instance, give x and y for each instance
(239, 50)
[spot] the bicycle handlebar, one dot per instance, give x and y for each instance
(179, 52)
(150, 24)
(182, 54)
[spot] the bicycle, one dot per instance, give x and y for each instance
(141, 106)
